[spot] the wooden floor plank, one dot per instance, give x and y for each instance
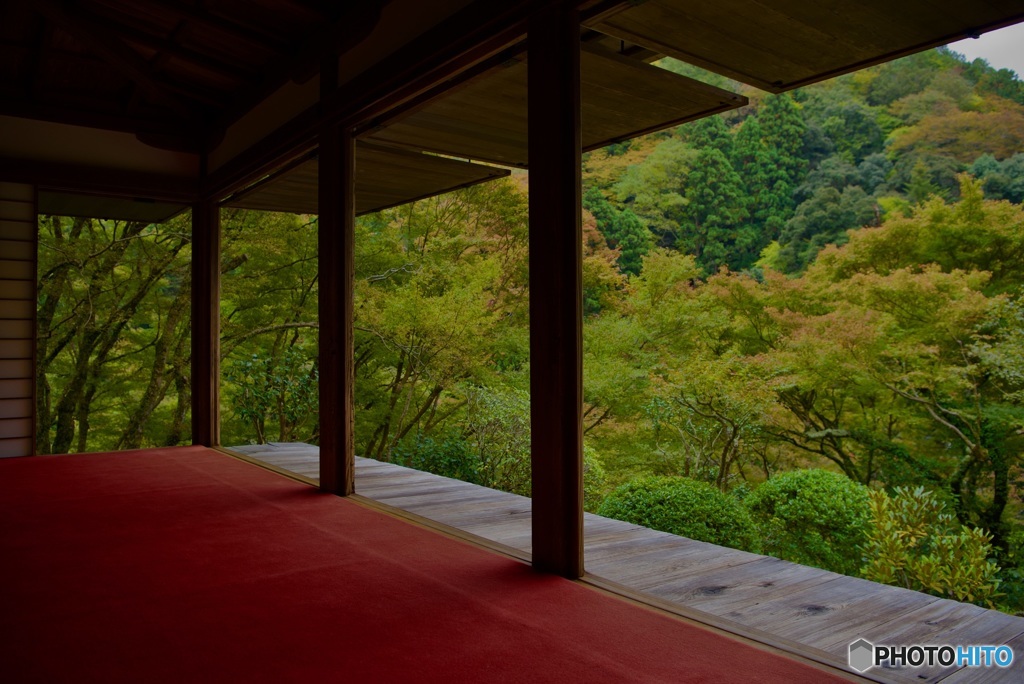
(818, 611)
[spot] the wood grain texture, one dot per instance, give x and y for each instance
(336, 240)
(18, 250)
(18, 245)
(206, 323)
(385, 177)
(14, 448)
(16, 408)
(17, 289)
(780, 46)
(24, 231)
(485, 118)
(808, 611)
(556, 293)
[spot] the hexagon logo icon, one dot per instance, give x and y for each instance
(862, 655)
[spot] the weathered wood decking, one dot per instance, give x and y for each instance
(808, 611)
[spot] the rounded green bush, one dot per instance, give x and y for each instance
(813, 517)
(685, 507)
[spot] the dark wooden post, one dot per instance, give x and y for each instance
(556, 309)
(206, 323)
(336, 281)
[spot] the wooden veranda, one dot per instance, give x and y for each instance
(808, 612)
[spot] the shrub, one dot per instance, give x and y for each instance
(498, 430)
(915, 543)
(813, 517)
(449, 457)
(593, 480)
(685, 507)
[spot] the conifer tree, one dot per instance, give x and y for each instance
(714, 226)
(622, 229)
(784, 128)
(769, 194)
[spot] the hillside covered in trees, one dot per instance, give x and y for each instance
(803, 335)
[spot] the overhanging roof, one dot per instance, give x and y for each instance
(777, 46)
(485, 118)
(96, 206)
(210, 78)
(385, 177)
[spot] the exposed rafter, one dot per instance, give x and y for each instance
(133, 32)
(265, 40)
(107, 45)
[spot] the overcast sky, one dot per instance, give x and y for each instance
(1004, 49)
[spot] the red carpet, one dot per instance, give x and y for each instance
(185, 565)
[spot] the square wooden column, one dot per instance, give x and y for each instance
(206, 323)
(556, 308)
(336, 225)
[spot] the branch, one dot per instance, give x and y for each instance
(932, 405)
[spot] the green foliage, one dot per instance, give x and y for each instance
(1001, 180)
(283, 389)
(622, 229)
(767, 185)
(268, 328)
(682, 506)
(698, 74)
(712, 220)
(915, 544)
(449, 456)
(653, 189)
(823, 219)
(498, 428)
(112, 334)
(813, 517)
(784, 130)
(971, 235)
(711, 132)
(920, 187)
(594, 480)
(901, 78)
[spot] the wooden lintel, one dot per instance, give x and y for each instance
(206, 323)
(336, 247)
(96, 180)
(556, 301)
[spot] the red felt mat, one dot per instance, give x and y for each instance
(185, 565)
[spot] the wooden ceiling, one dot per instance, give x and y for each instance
(181, 74)
(484, 118)
(784, 44)
(176, 72)
(385, 177)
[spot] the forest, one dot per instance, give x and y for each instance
(803, 335)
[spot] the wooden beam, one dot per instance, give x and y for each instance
(340, 35)
(132, 31)
(336, 242)
(556, 301)
(476, 32)
(104, 43)
(265, 40)
(206, 323)
(98, 180)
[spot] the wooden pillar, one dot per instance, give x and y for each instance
(556, 309)
(336, 281)
(206, 323)
(19, 241)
